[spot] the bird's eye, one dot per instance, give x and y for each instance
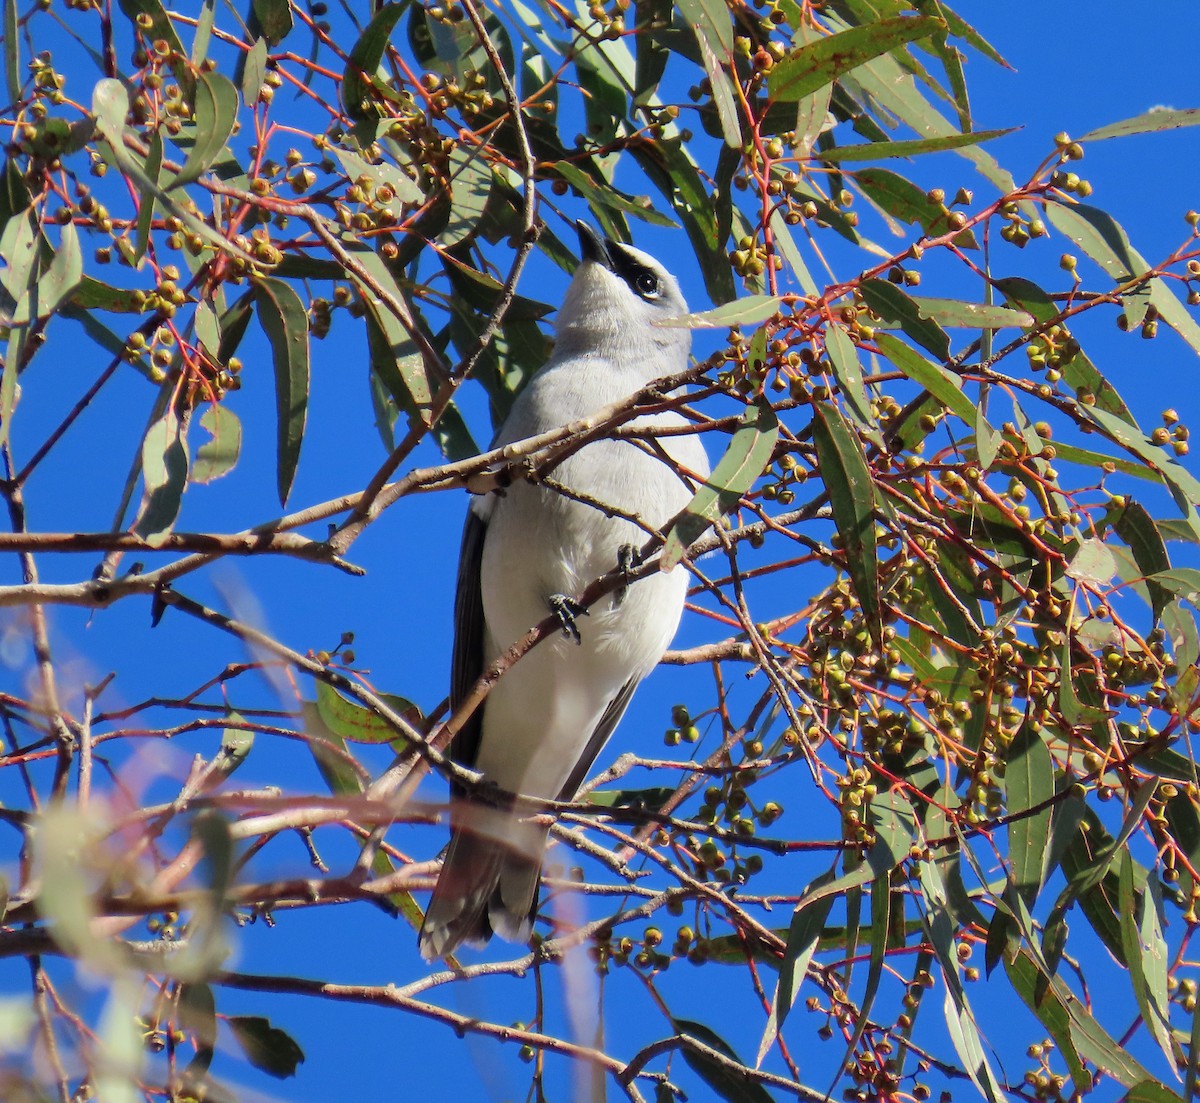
(646, 284)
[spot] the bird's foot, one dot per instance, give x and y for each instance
(567, 610)
(628, 558)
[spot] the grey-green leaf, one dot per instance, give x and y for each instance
(1153, 121)
(896, 308)
(274, 18)
(285, 322)
(12, 52)
(723, 1080)
(819, 63)
(747, 310)
(267, 1048)
(215, 113)
(351, 721)
(804, 932)
(218, 456)
(954, 312)
(748, 454)
(847, 369)
(359, 76)
(1029, 782)
(907, 147)
(940, 383)
(844, 469)
(164, 475)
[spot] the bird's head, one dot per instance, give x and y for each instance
(617, 299)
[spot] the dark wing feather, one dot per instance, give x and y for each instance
(467, 662)
(608, 722)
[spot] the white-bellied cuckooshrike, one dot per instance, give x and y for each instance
(526, 552)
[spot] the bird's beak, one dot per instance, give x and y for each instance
(592, 246)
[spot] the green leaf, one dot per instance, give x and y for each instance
(153, 170)
(1193, 1061)
(942, 384)
(881, 920)
(1029, 782)
(818, 63)
(164, 475)
(812, 111)
(398, 364)
(748, 310)
(747, 456)
(893, 820)
(162, 27)
(471, 183)
(908, 147)
(197, 1010)
(62, 276)
(1074, 710)
(1174, 313)
(12, 52)
(804, 933)
(727, 1083)
(1183, 485)
(254, 71)
(1153, 121)
(885, 80)
(1078, 372)
(1099, 235)
(215, 113)
(955, 313)
(233, 323)
(359, 76)
(1154, 1091)
(266, 1047)
(987, 440)
(285, 322)
(960, 1020)
(902, 199)
(274, 19)
(65, 899)
(604, 69)
(336, 769)
(843, 356)
(404, 186)
(236, 744)
(1146, 955)
(844, 469)
(894, 307)
(356, 724)
(20, 250)
(1093, 564)
(709, 20)
(218, 456)
(650, 799)
(204, 29)
(600, 194)
(1182, 581)
(1072, 1026)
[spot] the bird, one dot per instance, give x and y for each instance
(526, 551)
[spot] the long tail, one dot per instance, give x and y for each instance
(488, 883)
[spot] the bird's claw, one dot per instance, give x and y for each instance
(627, 559)
(567, 609)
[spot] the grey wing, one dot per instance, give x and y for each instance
(608, 722)
(467, 662)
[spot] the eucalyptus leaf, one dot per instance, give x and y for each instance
(285, 322)
(748, 454)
